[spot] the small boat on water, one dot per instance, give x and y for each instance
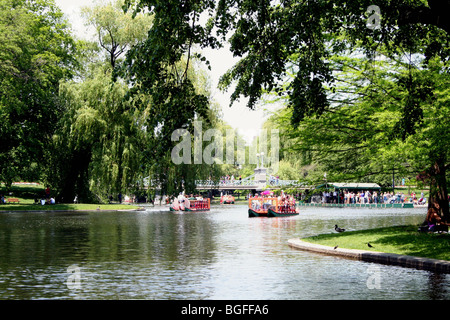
(227, 199)
(191, 204)
(270, 207)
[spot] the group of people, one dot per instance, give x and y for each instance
(46, 198)
(352, 197)
(229, 179)
(273, 180)
(284, 201)
(227, 198)
(43, 201)
(181, 198)
(182, 201)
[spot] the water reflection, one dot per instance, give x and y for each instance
(221, 254)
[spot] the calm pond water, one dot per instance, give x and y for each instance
(221, 254)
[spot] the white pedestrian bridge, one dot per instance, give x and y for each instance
(248, 183)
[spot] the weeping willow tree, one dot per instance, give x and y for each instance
(116, 128)
(95, 151)
(96, 148)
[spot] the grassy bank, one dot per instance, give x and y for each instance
(404, 240)
(27, 193)
(65, 206)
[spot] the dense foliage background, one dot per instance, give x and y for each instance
(361, 95)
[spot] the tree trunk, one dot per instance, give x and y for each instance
(438, 188)
(76, 182)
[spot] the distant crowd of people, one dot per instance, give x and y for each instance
(273, 180)
(229, 179)
(353, 197)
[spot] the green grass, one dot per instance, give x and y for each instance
(25, 193)
(65, 206)
(404, 240)
(28, 193)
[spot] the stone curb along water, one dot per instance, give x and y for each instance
(435, 265)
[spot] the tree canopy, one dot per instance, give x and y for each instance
(272, 36)
(117, 32)
(37, 52)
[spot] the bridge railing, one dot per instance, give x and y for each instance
(231, 183)
(210, 183)
(284, 183)
(243, 183)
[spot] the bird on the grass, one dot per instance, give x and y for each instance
(338, 229)
(335, 247)
(369, 245)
